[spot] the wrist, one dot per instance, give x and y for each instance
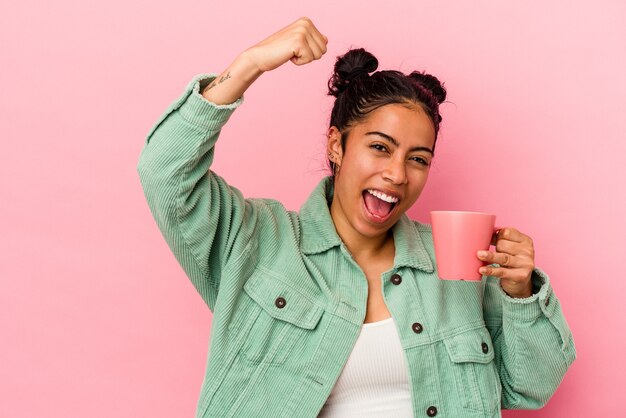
(521, 295)
(519, 292)
(246, 67)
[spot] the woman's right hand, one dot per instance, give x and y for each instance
(300, 43)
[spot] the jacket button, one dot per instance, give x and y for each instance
(431, 411)
(417, 327)
(280, 302)
(396, 279)
(485, 348)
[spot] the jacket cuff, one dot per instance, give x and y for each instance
(530, 308)
(197, 110)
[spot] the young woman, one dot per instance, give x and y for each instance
(337, 310)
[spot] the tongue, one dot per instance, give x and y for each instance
(376, 206)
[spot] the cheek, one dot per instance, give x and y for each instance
(357, 170)
(418, 182)
(418, 175)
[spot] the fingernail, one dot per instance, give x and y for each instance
(482, 270)
(482, 254)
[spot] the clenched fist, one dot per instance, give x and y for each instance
(299, 42)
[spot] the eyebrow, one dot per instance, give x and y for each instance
(394, 142)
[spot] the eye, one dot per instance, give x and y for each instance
(421, 161)
(379, 147)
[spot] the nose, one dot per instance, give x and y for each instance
(395, 171)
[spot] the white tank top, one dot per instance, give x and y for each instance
(374, 382)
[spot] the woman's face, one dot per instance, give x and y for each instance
(383, 169)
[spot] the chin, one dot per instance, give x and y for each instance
(374, 231)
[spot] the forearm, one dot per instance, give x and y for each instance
(232, 82)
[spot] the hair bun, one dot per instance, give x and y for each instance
(353, 65)
(432, 83)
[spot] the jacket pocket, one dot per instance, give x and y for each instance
(475, 375)
(285, 315)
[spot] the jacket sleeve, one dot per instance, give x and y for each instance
(201, 217)
(532, 341)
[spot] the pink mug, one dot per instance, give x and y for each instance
(458, 236)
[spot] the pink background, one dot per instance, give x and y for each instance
(96, 317)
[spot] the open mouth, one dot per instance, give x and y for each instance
(378, 204)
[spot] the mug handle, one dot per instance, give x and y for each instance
(496, 229)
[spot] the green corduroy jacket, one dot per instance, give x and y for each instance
(288, 300)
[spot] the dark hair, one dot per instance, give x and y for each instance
(358, 93)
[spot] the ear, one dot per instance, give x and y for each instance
(335, 153)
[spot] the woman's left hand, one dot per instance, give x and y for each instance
(516, 256)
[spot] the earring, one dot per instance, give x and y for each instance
(334, 167)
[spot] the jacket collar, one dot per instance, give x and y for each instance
(318, 233)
